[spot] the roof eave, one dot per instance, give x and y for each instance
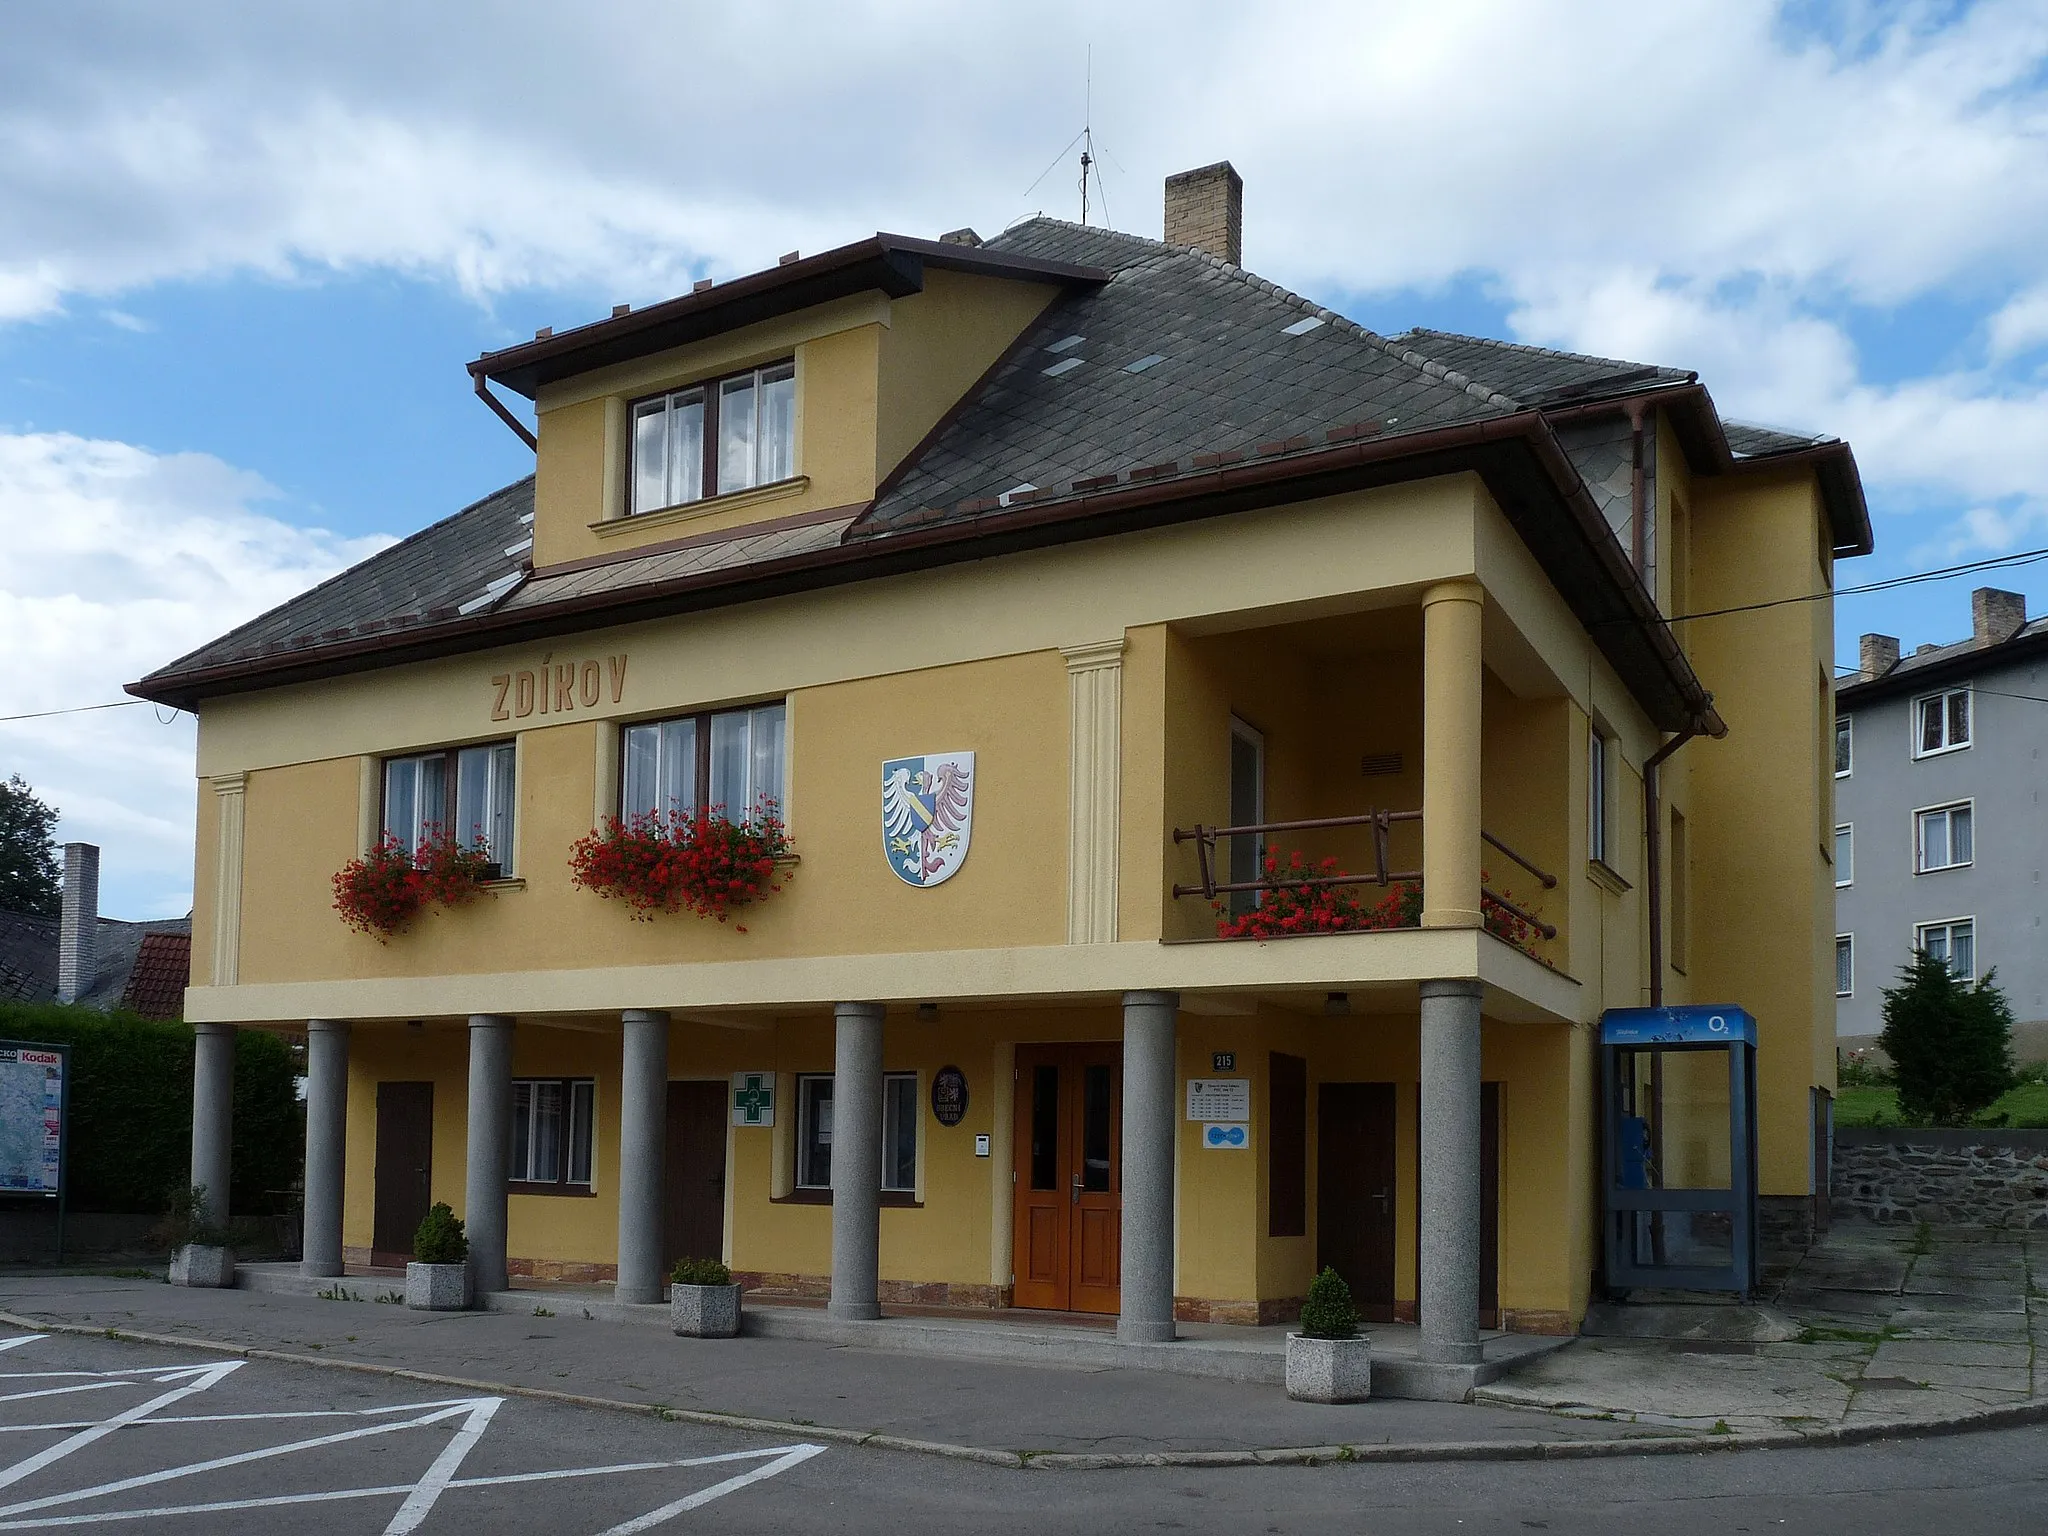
(1905, 679)
(891, 264)
(1593, 573)
(1697, 424)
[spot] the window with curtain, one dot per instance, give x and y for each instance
(729, 761)
(729, 434)
(899, 1132)
(1942, 722)
(470, 793)
(1954, 941)
(1944, 837)
(552, 1125)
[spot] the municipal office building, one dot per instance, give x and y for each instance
(1055, 591)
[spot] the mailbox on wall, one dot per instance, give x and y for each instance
(1679, 1199)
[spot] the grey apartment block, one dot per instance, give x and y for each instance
(1909, 868)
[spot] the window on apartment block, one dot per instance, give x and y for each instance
(729, 434)
(1599, 796)
(899, 1132)
(1247, 808)
(1943, 838)
(727, 761)
(468, 793)
(1845, 854)
(1954, 942)
(1845, 747)
(1941, 722)
(551, 1133)
(1845, 964)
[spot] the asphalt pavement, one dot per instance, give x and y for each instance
(102, 1432)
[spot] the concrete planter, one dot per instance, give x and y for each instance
(1329, 1370)
(437, 1287)
(203, 1264)
(704, 1311)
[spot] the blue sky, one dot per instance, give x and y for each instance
(245, 251)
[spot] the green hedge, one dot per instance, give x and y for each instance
(131, 1109)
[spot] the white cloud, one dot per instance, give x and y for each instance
(118, 559)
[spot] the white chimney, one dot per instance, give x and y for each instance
(78, 924)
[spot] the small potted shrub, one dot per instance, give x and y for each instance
(200, 1255)
(1329, 1361)
(703, 1302)
(437, 1279)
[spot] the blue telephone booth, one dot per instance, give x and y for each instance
(1679, 1204)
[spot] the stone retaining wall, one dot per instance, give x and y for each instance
(1948, 1178)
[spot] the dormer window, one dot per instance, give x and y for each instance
(725, 435)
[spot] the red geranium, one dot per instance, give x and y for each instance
(1291, 904)
(384, 890)
(676, 861)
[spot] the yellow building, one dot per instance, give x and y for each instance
(1009, 571)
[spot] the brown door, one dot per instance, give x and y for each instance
(693, 1197)
(1067, 1240)
(1355, 1191)
(405, 1165)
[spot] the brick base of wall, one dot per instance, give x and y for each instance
(898, 1293)
(565, 1271)
(1549, 1324)
(1262, 1314)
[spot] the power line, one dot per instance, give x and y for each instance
(1996, 562)
(76, 709)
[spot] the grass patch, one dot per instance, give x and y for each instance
(2025, 1108)
(1839, 1336)
(1720, 1428)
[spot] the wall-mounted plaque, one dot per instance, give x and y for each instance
(949, 1095)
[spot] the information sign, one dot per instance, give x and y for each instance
(1220, 1098)
(32, 1079)
(949, 1095)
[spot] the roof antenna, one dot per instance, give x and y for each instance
(1087, 132)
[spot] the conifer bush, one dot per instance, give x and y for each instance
(1950, 1042)
(1328, 1313)
(440, 1238)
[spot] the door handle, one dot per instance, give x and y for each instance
(1077, 1189)
(1384, 1197)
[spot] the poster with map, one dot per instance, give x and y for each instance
(31, 1118)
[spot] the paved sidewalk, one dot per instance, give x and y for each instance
(995, 1405)
(1872, 1326)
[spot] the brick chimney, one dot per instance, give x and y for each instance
(1997, 616)
(1205, 209)
(78, 923)
(1876, 655)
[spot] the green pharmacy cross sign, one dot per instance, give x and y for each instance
(753, 1098)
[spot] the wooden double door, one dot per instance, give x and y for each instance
(1356, 1202)
(1068, 1169)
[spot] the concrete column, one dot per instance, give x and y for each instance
(213, 1115)
(490, 1148)
(857, 1161)
(326, 1143)
(1449, 1298)
(1450, 754)
(643, 1145)
(1150, 1074)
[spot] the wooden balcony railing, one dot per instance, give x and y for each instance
(1206, 838)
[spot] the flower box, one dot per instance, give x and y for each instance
(704, 1311)
(437, 1287)
(207, 1265)
(1329, 1370)
(703, 862)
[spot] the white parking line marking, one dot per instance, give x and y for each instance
(795, 1456)
(206, 1376)
(419, 1498)
(218, 1463)
(420, 1502)
(786, 1456)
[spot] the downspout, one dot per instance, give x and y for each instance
(483, 393)
(1654, 856)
